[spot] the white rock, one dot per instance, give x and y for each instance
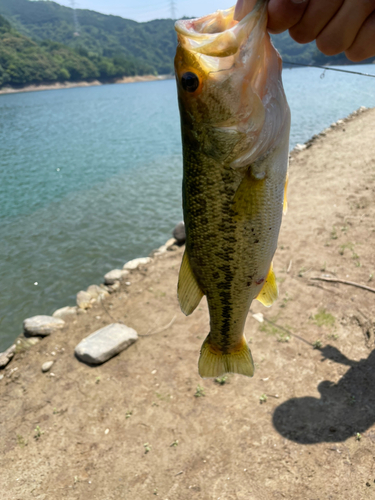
(6, 356)
(115, 275)
(42, 325)
(84, 300)
(97, 293)
(114, 287)
(47, 366)
(65, 311)
(170, 242)
(259, 317)
(161, 250)
(299, 147)
(105, 343)
(133, 264)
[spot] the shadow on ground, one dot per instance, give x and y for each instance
(343, 409)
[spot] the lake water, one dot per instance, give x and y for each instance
(91, 178)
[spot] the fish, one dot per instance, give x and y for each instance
(235, 123)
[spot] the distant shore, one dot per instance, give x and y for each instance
(93, 83)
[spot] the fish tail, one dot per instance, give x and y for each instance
(213, 363)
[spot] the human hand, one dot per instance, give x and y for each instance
(336, 25)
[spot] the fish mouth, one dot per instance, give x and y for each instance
(237, 65)
(219, 35)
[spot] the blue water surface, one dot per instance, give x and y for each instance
(91, 177)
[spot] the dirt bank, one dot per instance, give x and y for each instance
(69, 85)
(302, 428)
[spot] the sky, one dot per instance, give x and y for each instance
(145, 10)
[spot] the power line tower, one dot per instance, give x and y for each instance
(76, 23)
(173, 9)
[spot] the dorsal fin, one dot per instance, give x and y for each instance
(188, 290)
(269, 292)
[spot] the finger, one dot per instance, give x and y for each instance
(316, 17)
(364, 44)
(283, 14)
(339, 34)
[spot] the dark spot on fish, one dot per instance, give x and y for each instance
(256, 241)
(189, 81)
(248, 283)
(216, 275)
(252, 229)
(270, 228)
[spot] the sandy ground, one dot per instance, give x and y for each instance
(301, 428)
(93, 83)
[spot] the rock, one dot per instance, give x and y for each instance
(84, 300)
(170, 242)
(42, 325)
(114, 287)
(47, 366)
(133, 264)
(115, 275)
(65, 311)
(6, 356)
(299, 147)
(105, 343)
(179, 233)
(96, 292)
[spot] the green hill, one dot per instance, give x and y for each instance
(24, 61)
(43, 41)
(153, 43)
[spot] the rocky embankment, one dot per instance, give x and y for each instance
(104, 343)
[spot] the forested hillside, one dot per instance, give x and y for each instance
(153, 43)
(43, 41)
(23, 61)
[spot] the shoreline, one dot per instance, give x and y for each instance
(93, 83)
(143, 424)
(180, 240)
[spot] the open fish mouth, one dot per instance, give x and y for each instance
(233, 63)
(219, 35)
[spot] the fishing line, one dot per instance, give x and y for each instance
(329, 68)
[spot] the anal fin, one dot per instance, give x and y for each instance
(269, 292)
(188, 291)
(213, 363)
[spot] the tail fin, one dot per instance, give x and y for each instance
(212, 363)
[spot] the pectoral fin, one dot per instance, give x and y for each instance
(269, 292)
(188, 290)
(285, 205)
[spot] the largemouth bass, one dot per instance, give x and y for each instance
(235, 124)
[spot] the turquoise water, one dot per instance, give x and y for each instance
(91, 178)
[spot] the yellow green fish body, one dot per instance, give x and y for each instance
(235, 133)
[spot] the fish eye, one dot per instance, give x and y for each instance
(189, 81)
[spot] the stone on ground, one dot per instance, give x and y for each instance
(47, 366)
(42, 325)
(97, 292)
(84, 300)
(65, 311)
(105, 343)
(133, 264)
(179, 233)
(115, 275)
(6, 356)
